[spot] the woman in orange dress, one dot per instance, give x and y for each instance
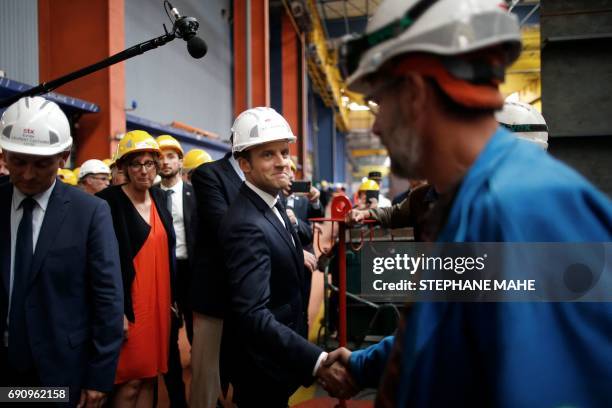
(143, 226)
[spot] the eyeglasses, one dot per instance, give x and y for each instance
(148, 165)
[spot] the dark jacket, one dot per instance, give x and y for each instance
(216, 185)
(132, 232)
(74, 303)
(190, 219)
(268, 298)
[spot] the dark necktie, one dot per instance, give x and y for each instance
(283, 214)
(169, 200)
(19, 351)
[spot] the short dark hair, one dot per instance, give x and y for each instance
(245, 154)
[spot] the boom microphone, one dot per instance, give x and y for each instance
(186, 28)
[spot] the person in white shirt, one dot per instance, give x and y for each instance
(182, 205)
(61, 297)
(264, 270)
(383, 201)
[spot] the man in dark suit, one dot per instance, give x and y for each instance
(181, 202)
(61, 298)
(216, 185)
(267, 319)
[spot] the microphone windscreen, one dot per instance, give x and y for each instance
(197, 47)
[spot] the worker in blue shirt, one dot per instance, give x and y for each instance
(433, 69)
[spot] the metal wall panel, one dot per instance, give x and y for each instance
(577, 84)
(166, 82)
(19, 40)
(577, 66)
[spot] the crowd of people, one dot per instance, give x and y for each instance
(98, 279)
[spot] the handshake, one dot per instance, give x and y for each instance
(334, 377)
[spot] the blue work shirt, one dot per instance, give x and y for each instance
(509, 354)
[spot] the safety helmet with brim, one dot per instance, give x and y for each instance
(35, 126)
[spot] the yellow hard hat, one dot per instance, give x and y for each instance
(369, 185)
(113, 160)
(136, 141)
(76, 172)
(108, 162)
(168, 142)
(194, 158)
(67, 176)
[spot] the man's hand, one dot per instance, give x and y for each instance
(126, 323)
(341, 355)
(313, 195)
(91, 399)
(291, 216)
(310, 261)
(356, 216)
(337, 381)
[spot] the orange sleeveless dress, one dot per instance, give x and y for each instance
(144, 353)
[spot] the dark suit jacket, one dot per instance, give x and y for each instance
(74, 304)
(269, 302)
(190, 219)
(216, 185)
(132, 232)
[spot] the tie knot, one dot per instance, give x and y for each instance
(28, 204)
(170, 191)
(279, 205)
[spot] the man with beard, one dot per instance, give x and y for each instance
(182, 205)
(433, 69)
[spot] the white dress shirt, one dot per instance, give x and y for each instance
(178, 219)
(38, 215)
(271, 201)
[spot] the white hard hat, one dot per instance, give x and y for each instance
(525, 122)
(35, 126)
(442, 27)
(257, 126)
(93, 166)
